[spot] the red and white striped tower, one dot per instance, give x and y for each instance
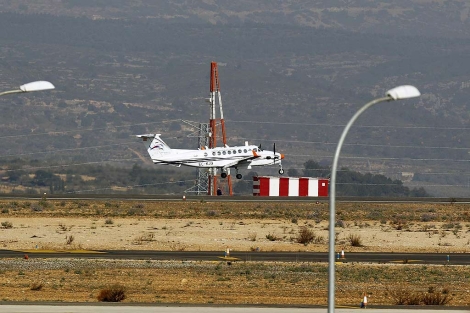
(214, 123)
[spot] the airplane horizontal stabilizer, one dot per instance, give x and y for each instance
(146, 137)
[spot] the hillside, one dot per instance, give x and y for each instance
(443, 18)
(292, 74)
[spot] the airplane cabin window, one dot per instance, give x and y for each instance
(255, 150)
(205, 154)
(239, 150)
(224, 153)
(229, 152)
(218, 152)
(213, 153)
(234, 151)
(245, 151)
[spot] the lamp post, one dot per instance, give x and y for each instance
(29, 87)
(397, 93)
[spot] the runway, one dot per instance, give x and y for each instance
(118, 308)
(352, 257)
(206, 198)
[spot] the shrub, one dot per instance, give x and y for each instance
(69, 239)
(427, 217)
(63, 227)
(36, 286)
(305, 235)
(340, 223)
(252, 236)
(436, 298)
(144, 237)
(211, 213)
(135, 211)
(7, 224)
(405, 296)
(109, 221)
(37, 208)
(115, 293)
(355, 240)
(272, 237)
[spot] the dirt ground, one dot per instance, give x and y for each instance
(192, 234)
(198, 226)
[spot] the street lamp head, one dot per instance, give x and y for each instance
(403, 92)
(36, 86)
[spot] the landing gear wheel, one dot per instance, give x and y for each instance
(223, 175)
(281, 171)
(239, 176)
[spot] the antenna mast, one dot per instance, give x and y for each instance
(214, 123)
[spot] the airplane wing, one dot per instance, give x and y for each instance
(242, 162)
(189, 157)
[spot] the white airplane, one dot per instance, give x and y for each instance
(221, 157)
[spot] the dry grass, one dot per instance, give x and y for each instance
(402, 295)
(393, 213)
(218, 283)
(213, 225)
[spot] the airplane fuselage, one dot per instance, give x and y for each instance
(238, 156)
(221, 157)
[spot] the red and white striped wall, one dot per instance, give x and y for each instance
(267, 186)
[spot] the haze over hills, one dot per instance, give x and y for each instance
(449, 18)
(292, 72)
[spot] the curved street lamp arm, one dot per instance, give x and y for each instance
(331, 255)
(11, 91)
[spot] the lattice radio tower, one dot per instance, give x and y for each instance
(201, 187)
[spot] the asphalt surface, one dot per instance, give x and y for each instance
(118, 308)
(206, 198)
(370, 257)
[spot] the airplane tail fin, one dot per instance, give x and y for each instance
(154, 143)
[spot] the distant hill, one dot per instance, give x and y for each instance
(444, 18)
(292, 72)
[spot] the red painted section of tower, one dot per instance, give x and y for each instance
(214, 122)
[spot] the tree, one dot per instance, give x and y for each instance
(314, 169)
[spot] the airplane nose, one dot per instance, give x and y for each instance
(282, 156)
